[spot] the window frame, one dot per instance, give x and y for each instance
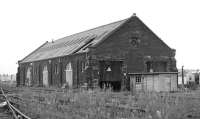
(138, 79)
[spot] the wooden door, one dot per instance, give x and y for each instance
(28, 77)
(149, 83)
(168, 84)
(45, 76)
(69, 74)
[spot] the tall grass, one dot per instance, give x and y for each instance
(98, 104)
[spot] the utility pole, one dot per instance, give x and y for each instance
(182, 77)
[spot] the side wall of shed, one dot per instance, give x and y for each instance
(56, 71)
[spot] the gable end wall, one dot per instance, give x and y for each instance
(118, 46)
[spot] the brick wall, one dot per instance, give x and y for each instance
(119, 46)
(56, 77)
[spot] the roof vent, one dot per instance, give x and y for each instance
(134, 14)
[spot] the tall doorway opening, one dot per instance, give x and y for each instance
(110, 75)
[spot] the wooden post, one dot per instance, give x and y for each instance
(182, 77)
(132, 85)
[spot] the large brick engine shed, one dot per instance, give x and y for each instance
(97, 57)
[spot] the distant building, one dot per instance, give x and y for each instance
(7, 77)
(102, 56)
(189, 76)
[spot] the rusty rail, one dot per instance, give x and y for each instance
(16, 112)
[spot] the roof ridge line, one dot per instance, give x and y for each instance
(90, 29)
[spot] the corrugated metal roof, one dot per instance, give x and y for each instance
(76, 43)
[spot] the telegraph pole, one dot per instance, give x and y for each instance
(182, 77)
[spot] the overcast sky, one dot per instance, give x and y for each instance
(26, 24)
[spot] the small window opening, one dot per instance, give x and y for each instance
(138, 79)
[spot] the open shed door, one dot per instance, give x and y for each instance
(111, 74)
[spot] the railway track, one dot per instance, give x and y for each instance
(7, 110)
(38, 101)
(5, 113)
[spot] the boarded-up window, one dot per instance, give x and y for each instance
(160, 66)
(156, 66)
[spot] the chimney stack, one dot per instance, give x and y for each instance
(134, 14)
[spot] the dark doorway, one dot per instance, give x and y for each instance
(196, 78)
(115, 85)
(111, 74)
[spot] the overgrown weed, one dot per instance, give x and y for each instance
(101, 104)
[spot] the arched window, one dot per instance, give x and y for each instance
(45, 68)
(69, 67)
